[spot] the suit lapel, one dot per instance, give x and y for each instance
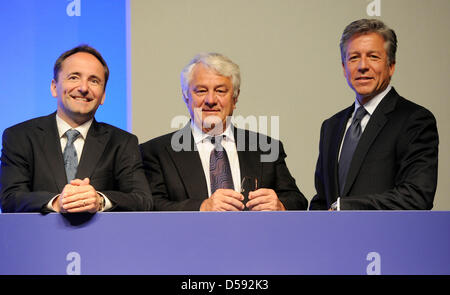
(249, 161)
(373, 128)
(94, 146)
(51, 146)
(189, 165)
(337, 134)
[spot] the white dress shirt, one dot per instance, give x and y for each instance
(205, 147)
(370, 107)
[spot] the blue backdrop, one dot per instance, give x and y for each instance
(35, 32)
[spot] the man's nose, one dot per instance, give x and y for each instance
(210, 99)
(83, 87)
(363, 65)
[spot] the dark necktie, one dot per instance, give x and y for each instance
(348, 147)
(219, 167)
(70, 155)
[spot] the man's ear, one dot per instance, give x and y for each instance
(103, 97)
(391, 69)
(236, 99)
(343, 70)
(53, 88)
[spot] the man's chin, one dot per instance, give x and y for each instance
(81, 116)
(213, 125)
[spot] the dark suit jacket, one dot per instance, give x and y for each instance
(178, 182)
(32, 168)
(394, 165)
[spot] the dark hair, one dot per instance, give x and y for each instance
(366, 26)
(80, 48)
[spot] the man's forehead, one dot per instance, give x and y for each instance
(202, 70)
(82, 62)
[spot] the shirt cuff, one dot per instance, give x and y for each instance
(49, 204)
(108, 204)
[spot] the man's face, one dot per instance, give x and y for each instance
(80, 88)
(366, 66)
(210, 99)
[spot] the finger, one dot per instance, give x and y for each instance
(255, 202)
(234, 200)
(223, 203)
(230, 207)
(74, 205)
(262, 207)
(237, 204)
(68, 190)
(76, 182)
(268, 202)
(88, 197)
(261, 192)
(82, 189)
(80, 210)
(229, 193)
(81, 205)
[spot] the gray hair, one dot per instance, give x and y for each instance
(217, 62)
(366, 26)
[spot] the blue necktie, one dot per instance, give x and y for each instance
(70, 155)
(219, 167)
(348, 147)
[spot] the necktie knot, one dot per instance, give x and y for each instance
(360, 113)
(72, 135)
(216, 140)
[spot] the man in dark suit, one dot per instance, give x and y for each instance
(67, 161)
(382, 152)
(209, 165)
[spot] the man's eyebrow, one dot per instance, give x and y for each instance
(73, 73)
(79, 74)
(96, 77)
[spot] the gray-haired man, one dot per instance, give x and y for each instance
(381, 152)
(201, 167)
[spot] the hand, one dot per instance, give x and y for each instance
(78, 196)
(264, 199)
(223, 200)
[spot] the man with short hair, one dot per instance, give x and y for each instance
(381, 152)
(67, 161)
(209, 165)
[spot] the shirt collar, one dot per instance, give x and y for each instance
(63, 126)
(200, 136)
(372, 104)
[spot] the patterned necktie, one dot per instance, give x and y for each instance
(219, 167)
(348, 147)
(70, 155)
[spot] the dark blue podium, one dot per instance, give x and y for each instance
(230, 243)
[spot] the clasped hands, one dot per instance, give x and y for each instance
(78, 196)
(262, 199)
